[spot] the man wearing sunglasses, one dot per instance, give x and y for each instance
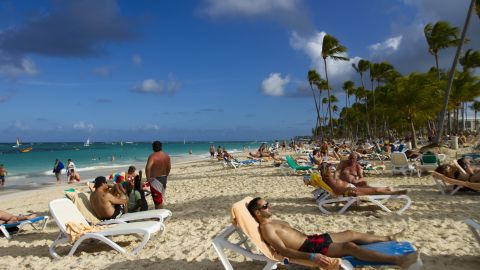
(294, 244)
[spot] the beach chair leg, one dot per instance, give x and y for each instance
(455, 190)
(441, 186)
(61, 239)
(270, 265)
(221, 254)
(5, 232)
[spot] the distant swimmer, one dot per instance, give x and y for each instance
(113, 158)
(190, 152)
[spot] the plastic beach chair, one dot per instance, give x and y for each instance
(444, 184)
(325, 195)
(475, 227)
(245, 226)
(400, 164)
(82, 203)
(19, 225)
(64, 211)
(293, 167)
(390, 248)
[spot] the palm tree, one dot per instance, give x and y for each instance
(477, 8)
(333, 49)
(348, 87)
(471, 59)
(363, 66)
(440, 36)
(475, 107)
(313, 77)
(441, 120)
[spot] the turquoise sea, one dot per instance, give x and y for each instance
(37, 164)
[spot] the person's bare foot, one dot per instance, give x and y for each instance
(407, 260)
(394, 237)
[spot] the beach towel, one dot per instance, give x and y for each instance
(241, 218)
(77, 230)
(82, 202)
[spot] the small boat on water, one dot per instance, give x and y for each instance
(25, 150)
(17, 145)
(87, 143)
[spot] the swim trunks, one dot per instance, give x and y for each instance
(317, 243)
(119, 210)
(158, 185)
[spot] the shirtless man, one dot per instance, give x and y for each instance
(351, 172)
(341, 187)
(157, 169)
(104, 203)
(9, 218)
(294, 244)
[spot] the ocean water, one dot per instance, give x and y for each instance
(38, 163)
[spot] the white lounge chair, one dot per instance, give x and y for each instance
(64, 211)
(324, 196)
(19, 225)
(401, 165)
(451, 186)
(246, 228)
(475, 227)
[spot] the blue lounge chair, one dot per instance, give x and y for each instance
(19, 225)
(390, 248)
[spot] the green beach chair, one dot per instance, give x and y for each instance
(294, 168)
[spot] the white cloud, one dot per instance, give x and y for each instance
(152, 86)
(137, 59)
(151, 127)
(83, 126)
(18, 125)
(247, 7)
(24, 66)
(274, 85)
(102, 71)
(390, 45)
(338, 71)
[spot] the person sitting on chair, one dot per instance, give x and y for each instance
(351, 172)
(294, 244)
(104, 204)
(452, 171)
(341, 187)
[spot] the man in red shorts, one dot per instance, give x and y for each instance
(157, 169)
(294, 244)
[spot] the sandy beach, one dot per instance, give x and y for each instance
(200, 194)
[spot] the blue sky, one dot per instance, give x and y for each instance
(199, 70)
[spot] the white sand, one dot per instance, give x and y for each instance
(200, 195)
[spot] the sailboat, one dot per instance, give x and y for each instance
(17, 145)
(87, 143)
(184, 141)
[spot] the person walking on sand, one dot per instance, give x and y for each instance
(157, 170)
(3, 173)
(57, 169)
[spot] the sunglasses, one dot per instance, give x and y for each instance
(265, 206)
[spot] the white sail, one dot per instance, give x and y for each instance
(17, 144)
(87, 143)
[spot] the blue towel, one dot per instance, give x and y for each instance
(390, 248)
(10, 225)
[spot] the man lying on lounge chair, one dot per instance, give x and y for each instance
(453, 172)
(294, 244)
(341, 187)
(9, 218)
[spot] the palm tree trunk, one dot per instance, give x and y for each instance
(452, 73)
(414, 136)
(316, 107)
(475, 124)
(436, 64)
(329, 104)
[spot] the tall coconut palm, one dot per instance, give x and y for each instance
(363, 66)
(348, 87)
(440, 36)
(441, 120)
(475, 107)
(471, 59)
(333, 49)
(314, 77)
